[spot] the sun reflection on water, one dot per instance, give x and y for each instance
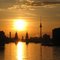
(20, 51)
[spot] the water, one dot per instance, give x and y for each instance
(1, 55)
(21, 51)
(32, 51)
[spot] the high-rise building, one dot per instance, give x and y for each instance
(16, 35)
(27, 38)
(9, 34)
(56, 36)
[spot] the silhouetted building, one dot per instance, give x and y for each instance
(16, 35)
(10, 35)
(27, 38)
(46, 39)
(2, 38)
(22, 38)
(35, 39)
(56, 36)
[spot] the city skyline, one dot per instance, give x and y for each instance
(30, 29)
(50, 15)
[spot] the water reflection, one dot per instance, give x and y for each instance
(10, 51)
(56, 53)
(21, 51)
(2, 55)
(32, 51)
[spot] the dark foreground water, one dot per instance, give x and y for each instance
(1, 55)
(32, 51)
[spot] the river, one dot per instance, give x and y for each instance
(32, 51)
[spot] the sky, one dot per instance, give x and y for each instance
(12, 9)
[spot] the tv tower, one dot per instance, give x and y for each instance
(40, 28)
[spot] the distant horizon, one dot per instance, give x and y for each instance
(24, 34)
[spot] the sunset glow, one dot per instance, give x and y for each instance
(27, 19)
(19, 51)
(19, 24)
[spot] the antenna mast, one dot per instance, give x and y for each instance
(40, 28)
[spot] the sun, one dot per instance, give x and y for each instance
(19, 24)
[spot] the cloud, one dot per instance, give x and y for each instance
(2, 9)
(10, 3)
(13, 7)
(30, 1)
(7, 3)
(31, 14)
(50, 6)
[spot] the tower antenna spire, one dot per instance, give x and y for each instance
(40, 27)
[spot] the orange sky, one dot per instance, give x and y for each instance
(50, 15)
(32, 26)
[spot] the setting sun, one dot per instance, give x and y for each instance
(19, 24)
